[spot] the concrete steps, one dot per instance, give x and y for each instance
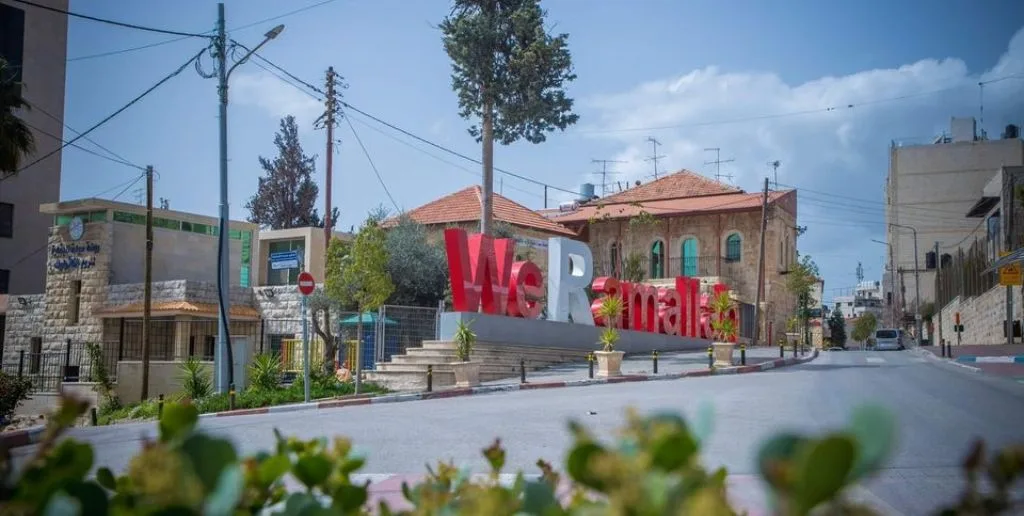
(408, 372)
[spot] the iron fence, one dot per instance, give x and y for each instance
(44, 370)
(402, 327)
(963, 273)
(172, 340)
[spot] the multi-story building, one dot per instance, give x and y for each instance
(33, 43)
(930, 188)
(866, 297)
(684, 224)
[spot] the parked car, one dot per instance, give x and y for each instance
(888, 339)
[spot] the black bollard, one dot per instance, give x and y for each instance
(782, 350)
(794, 349)
(522, 370)
(711, 358)
(160, 406)
(430, 377)
(92, 416)
(655, 358)
(231, 397)
(743, 354)
(590, 360)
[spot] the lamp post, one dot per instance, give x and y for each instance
(892, 280)
(917, 283)
(224, 357)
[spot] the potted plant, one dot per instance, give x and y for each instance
(467, 373)
(609, 361)
(723, 328)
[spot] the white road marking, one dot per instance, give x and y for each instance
(875, 360)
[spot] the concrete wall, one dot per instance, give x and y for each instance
(314, 250)
(552, 334)
(931, 188)
(176, 255)
(982, 317)
(43, 69)
(163, 379)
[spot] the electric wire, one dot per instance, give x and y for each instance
(372, 165)
(86, 150)
(119, 158)
(208, 34)
(127, 184)
(112, 22)
(112, 115)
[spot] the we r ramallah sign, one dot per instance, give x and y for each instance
(486, 278)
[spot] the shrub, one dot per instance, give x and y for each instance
(464, 341)
(195, 379)
(13, 391)
(99, 374)
(265, 371)
(654, 468)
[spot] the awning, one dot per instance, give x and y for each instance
(168, 308)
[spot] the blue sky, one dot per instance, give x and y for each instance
(677, 67)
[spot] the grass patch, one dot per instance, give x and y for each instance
(248, 399)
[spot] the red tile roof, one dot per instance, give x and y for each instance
(464, 206)
(680, 206)
(673, 186)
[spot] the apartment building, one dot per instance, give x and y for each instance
(930, 187)
(33, 43)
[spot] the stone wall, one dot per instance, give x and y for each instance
(23, 323)
(285, 304)
(61, 279)
(982, 317)
(177, 290)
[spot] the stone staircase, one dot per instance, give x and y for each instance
(408, 372)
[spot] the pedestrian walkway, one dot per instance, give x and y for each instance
(668, 364)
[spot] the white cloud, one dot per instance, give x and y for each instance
(274, 97)
(844, 151)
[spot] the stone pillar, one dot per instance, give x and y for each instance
(182, 335)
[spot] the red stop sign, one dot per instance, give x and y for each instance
(306, 283)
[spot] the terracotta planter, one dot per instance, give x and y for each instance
(609, 363)
(723, 353)
(467, 374)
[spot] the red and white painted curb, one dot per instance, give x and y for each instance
(941, 360)
(488, 389)
(26, 437)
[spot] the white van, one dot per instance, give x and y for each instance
(888, 339)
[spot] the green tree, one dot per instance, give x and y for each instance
(864, 327)
(417, 267)
(286, 194)
(363, 279)
(837, 327)
(16, 140)
(509, 74)
(800, 281)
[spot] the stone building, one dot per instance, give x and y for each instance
(462, 209)
(684, 224)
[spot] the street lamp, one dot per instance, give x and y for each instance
(917, 282)
(224, 359)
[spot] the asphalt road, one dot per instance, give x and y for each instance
(940, 408)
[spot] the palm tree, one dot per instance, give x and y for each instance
(16, 139)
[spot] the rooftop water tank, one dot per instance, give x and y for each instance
(586, 192)
(1011, 132)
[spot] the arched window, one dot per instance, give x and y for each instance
(733, 248)
(657, 260)
(688, 257)
(615, 260)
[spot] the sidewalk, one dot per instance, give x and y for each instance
(999, 360)
(669, 364)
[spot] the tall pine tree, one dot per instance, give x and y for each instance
(286, 195)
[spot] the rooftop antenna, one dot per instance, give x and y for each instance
(605, 173)
(860, 273)
(165, 204)
(775, 172)
(654, 154)
(718, 163)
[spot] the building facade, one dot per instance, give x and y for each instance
(929, 189)
(687, 225)
(33, 43)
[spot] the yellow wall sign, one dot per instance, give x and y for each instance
(1010, 275)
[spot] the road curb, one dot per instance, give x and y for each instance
(1003, 359)
(931, 356)
(18, 438)
(491, 389)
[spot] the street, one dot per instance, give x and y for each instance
(940, 409)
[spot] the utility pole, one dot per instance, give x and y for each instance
(224, 372)
(147, 292)
(760, 266)
(654, 154)
(938, 294)
(545, 197)
(331, 107)
(718, 163)
(605, 173)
